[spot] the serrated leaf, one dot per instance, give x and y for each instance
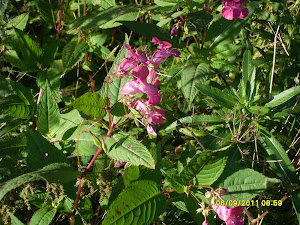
(50, 50)
(15, 107)
(47, 112)
(47, 9)
(11, 146)
(243, 183)
(5, 88)
(125, 148)
(283, 97)
(199, 20)
(30, 49)
(91, 104)
(191, 76)
(41, 152)
(53, 78)
(107, 19)
(149, 31)
(22, 92)
(195, 166)
(196, 120)
(140, 203)
(15, 220)
(69, 132)
(72, 53)
(212, 170)
(174, 181)
(104, 53)
(219, 96)
(19, 22)
(42, 217)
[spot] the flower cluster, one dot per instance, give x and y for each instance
(233, 9)
(145, 81)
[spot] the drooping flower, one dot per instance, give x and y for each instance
(233, 9)
(231, 216)
(205, 222)
(163, 52)
(151, 129)
(174, 31)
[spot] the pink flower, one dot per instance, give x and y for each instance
(231, 216)
(205, 222)
(163, 52)
(233, 9)
(132, 60)
(151, 130)
(155, 116)
(174, 31)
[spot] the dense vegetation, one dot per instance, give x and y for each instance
(149, 112)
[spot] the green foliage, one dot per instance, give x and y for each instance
(126, 148)
(42, 216)
(140, 203)
(91, 104)
(15, 220)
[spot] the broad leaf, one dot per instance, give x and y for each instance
(91, 104)
(5, 88)
(15, 107)
(198, 20)
(149, 31)
(42, 216)
(140, 203)
(217, 95)
(243, 183)
(48, 9)
(125, 148)
(107, 19)
(47, 112)
(195, 166)
(41, 152)
(72, 53)
(18, 22)
(212, 170)
(15, 220)
(52, 76)
(283, 97)
(191, 76)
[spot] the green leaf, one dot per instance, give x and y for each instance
(18, 22)
(195, 166)
(5, 88)
(41, 152)
(72, 53)
(175, 182)
(91, 104)
(50, 50)
(22, 92)
(212, 170)
(42, 217)
(219, 96)
(131, 174)
(52, 76)
(104, 53)
(279, 160)
(15, 107)
(107, 19)
(199, 20)
(248, 78)
(30, 49)
(243, 183)
(125, 148)
(196, 120)
(48, 9)
(140, 203)
(47, 112)
(15, 220)
(115, 83)
(191, 76)
(164, 3)
(224, 30)
(12, 146)
(69, 133)
(149, 31)
(283, 97)
(55, 168)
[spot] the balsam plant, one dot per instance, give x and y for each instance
(149, 112)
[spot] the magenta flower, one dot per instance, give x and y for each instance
(205, 222)
(233, 9)
(231, 216)
(163, 52)
(151, 130)
(153, 114)
(174, 31)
